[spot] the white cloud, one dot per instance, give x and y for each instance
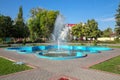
(107, 19)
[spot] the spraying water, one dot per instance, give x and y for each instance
(60, 32)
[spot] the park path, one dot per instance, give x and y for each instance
(50, 69)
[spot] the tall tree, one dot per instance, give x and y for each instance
(88, 30)
(92, 25)
(5, 26)
(41, 23)
(78, 30)
(20, 27)
(51, 19)
(117, 17)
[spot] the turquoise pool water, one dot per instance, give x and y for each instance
(69, 52)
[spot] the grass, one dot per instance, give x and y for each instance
(114, 46)
(3, 46)
(111, 65)
(7, 67)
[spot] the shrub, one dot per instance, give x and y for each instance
(95, 43)
(1, 40)
(117, 40)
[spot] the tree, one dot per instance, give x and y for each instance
(117, 17)
(93, 30)
(78, 30)
(88, 30)
(107, 32)
(37, 23)
(21, 30)
(52, 15)
(41, 23)
(5, 26)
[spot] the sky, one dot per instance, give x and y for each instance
(74, 11)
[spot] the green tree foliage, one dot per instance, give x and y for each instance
(51, 19)
(20, 28)
(78, 30)
(41, 23)
(88, 30)
(117, 17)
(107, 32)
(93, 30)
(5, 26)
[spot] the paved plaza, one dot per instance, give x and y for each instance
(77, 69)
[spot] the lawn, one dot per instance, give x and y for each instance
(7, 67)
(111, 65)
(114, 46)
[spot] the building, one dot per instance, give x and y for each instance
(70, 25)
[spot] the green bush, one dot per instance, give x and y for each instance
(1, 40)
(117, 40)
(82, 44)
(95, 42)
(24, 41)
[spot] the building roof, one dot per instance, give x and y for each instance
(70, 25)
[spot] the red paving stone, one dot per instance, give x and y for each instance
(63, 77)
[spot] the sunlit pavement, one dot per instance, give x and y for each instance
(45, 69)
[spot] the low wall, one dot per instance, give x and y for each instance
(106, 39)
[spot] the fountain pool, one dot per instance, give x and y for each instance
(64, 53)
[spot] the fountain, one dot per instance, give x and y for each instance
(60, 31)
(59, 50)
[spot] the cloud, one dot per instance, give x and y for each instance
(107, 19)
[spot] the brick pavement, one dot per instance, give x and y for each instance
(46, 69)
